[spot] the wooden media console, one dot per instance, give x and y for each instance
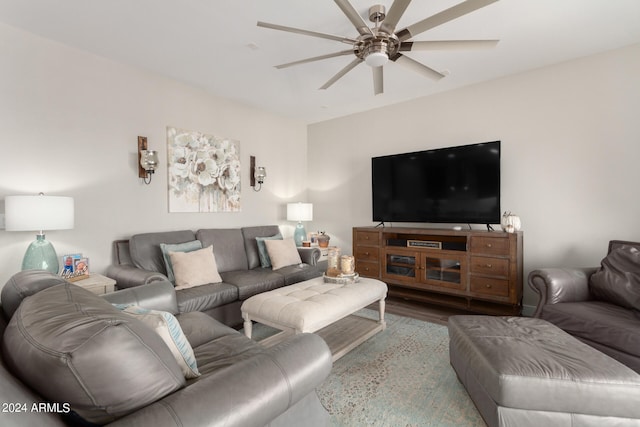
(478, 271)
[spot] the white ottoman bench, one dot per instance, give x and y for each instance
(526, 372)
(312, 305)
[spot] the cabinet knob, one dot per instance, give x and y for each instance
(366, 253)
(488, 286)
(488, 265)
(489, 245)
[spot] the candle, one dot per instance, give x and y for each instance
(347, 264)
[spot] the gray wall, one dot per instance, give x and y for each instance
(69, 124)
(570, 152)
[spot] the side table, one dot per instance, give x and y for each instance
(97, 283)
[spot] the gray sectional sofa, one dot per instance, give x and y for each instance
(139, 260)
(70, 357)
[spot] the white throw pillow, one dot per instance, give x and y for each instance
(195, 268)
(282, 253)
(166, 325)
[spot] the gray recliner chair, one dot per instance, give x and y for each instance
(599, 306)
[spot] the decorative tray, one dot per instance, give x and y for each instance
(343, 279)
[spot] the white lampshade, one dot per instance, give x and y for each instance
(299, 211)
(38, 213)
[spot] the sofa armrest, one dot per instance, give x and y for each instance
(556, 285)
(310, 256)
(158, 295)
(251, 392)
(128, 276)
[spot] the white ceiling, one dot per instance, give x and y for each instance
(216, 45)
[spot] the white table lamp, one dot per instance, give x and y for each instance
(299, 212)
(39, 213)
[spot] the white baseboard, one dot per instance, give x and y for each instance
(528, 310)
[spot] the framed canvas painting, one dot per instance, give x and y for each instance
(204, 172)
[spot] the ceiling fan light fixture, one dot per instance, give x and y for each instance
(376, 59)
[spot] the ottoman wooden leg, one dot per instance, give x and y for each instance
(381, 314)
(248, 325)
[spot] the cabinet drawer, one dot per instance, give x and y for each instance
(367, 238)
(492, 287)
(367, 269)
(490, 266)
(366, 253)
(490, 245)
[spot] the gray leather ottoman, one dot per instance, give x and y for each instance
(523, 372)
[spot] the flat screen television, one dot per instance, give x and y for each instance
(446, 185)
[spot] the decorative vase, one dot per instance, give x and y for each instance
(323, 240)
(510, 222)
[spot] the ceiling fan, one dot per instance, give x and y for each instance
(382, 43)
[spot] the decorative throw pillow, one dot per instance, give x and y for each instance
(618, 279)
(282, 253)
(178, 247)
(195, 268)
(265, 261)
(166, 325)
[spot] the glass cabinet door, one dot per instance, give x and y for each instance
(447, 270)
(400, 266)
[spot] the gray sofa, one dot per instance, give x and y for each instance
(69, 357)
(139, 260)
(599, 306)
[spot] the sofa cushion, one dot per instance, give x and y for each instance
(282, 253)
(251, 245)
(195, 268)
(228, 247)
(263, 254)
(200, 328)
(618, 279)
(165, 248)
(252, 282)
(168, 327)
(598, 321)
(205, 297)
(24, 284)
(145, 248)
(300, 272)
(71, 346)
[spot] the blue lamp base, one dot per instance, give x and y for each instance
(41, 255)
(300, 234)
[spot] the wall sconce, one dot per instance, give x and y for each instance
(257, 174)
(147, 160)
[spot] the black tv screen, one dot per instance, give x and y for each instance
(446, 185)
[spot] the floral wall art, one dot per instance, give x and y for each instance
(204, 172)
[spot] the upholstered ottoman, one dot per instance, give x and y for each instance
(313, 305)
(524, 372)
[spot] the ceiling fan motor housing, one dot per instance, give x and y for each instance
(377, 49)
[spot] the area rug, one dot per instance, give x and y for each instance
(399, 377)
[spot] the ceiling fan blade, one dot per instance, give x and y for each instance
(341, 73)
(414, 65)
(306, 32)
(354, 17)
(442, 17)
(448, 45)
(378, 80)
(315, 58)
(393, 16)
